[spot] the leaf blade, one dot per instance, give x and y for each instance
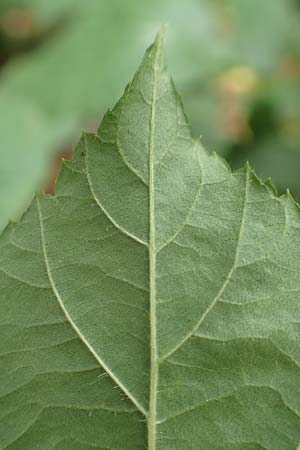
(205, 295)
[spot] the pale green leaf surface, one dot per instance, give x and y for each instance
(154, 301)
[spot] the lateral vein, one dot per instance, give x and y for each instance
(223, 287)
(110, 218)
(74, 326)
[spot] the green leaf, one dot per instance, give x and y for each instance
(153, 302)
(26, 145)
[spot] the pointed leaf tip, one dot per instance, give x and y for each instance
(248, 166)
(160, 36)
(156, 50)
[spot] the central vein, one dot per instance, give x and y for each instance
(152, 268)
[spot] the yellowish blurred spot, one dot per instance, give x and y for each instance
(239, 80)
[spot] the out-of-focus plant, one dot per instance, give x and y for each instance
(237, 66)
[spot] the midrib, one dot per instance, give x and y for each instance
(152, 270)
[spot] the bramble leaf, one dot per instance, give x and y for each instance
(153, 302)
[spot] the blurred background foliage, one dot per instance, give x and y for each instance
(64, 62)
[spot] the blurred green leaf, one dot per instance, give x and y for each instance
(27, 139)
(263, 28)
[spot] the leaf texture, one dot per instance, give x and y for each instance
(153, 303)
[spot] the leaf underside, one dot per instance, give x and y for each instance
(153, 303)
